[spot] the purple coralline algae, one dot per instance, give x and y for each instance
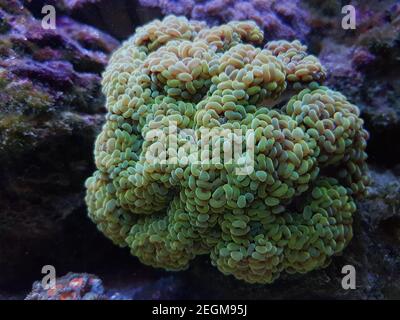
(50, 110)
(280, 19)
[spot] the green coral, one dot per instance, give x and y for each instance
(292, 213)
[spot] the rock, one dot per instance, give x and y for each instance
(83, 286)
(70, 287)
(280, 19)
(118, 17)
(51, 109)
(364, 64)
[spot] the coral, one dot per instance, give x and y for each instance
(374, 252)
(83, 286)
(116, 18)
(70, 287)
(362, 62)
(291, 213)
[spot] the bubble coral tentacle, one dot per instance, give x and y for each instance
(178, 85)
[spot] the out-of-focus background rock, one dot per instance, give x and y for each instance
(83, 286)
(51, 109)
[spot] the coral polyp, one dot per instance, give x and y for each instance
(292, 212)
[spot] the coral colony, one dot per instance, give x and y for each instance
(291, 212)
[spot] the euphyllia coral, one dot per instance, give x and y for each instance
(292, 213)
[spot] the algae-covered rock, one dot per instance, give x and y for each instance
(117, 17)
(51, 109)
(72, 286)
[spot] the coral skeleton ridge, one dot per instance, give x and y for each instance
(292, 213)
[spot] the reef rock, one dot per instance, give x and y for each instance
(83, 286)
(116, 17)
(70, 287)
(279, 19)
(365, 63)
(51, 109)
